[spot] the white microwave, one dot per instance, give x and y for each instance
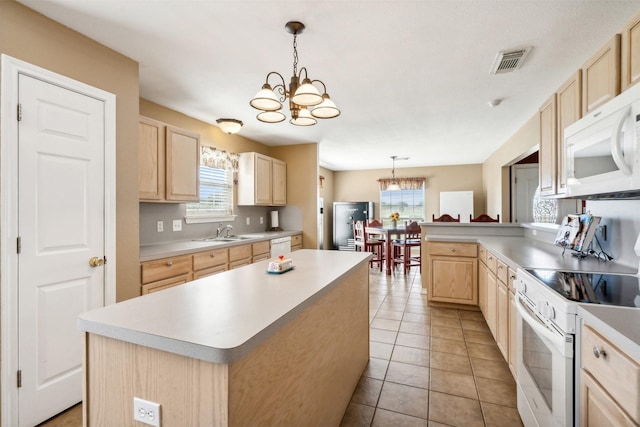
(603, 150)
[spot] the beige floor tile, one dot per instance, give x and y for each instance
(380, 350)
(383, 335)
(404, 399)
(72, 417)
(493, 369)
(415, 328)
(357, 415)
(500, 416)
(448, 333)
(450, 362)
(475, 325)
(471, 315)
(388, 314)
(388, 418)
(498, 392)
(454, 410)
(416, 308)
(416, 317)
(407, 374)
(445, 312)
(444, 345)
(489, 351)
(449, 322)
(367, 392)
(413, 340)
(376, 368)
(453, 383)
(479, 337)
(414, 356)
(435, 424)
(388, 324)
(393, 306)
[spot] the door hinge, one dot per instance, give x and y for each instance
(19, 378)
(19, 245)
(105, 259)
(19, 112)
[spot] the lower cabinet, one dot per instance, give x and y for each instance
(452, 272)
(502, 318)
(512, 335)
(260, 251)
(210, 262)
(296, 242)
(239, 256)
(165, 273)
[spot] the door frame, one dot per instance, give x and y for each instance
(514, 186)
(11, 69)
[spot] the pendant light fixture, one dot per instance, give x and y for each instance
(305, 102)
(229, 126)
(394, 185)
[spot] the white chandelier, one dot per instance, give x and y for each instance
(301, 96)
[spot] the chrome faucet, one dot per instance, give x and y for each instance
(222, 228)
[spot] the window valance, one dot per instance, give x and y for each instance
(218, 159)
(405, 183)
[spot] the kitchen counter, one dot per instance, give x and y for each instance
(240, 348)
(169, 249)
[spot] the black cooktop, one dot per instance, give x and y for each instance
(595, 288)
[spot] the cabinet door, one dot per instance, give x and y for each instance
(601, 76)
(569, 111)
(492, 302)
(151, 152)
(512, 335)
(502, 319)
(483, 273)
(454, 280)
(630, 56)
(548, 147)
(597, 408)
(279, 180)
(262, 180)
(166, 283)
(183, 165)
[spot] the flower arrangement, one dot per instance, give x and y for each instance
(394, 216)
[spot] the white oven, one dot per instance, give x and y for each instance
(545, 356)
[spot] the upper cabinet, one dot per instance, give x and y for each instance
(169, 162)
(630, 56)
(262, 180)
(548, 146)
(601, 76)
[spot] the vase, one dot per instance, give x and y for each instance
(394, 223)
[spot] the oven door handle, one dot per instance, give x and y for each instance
(542, 329)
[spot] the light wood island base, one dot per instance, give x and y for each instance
(302, 375)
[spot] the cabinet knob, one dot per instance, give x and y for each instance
(453, 249)
(213, 255)
(597, 352)
(169, 264)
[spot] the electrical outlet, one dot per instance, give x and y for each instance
(146, 412)
(248, 221)
(261, 220)
(177, 225)
(160, 226)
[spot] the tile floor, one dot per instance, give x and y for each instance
(428, 367)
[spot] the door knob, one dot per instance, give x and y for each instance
(96, 262)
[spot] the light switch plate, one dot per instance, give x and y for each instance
(146, 412)
(248, 220)
(160, 226)
(177, 225)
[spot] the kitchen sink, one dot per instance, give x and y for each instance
(223, 239)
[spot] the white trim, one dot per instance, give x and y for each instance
(11, 69)
(209, 218)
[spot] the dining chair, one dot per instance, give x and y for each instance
(445, 218)
(365, 244)
(402, 249)
(484, 218)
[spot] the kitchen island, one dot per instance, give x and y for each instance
(242, 348)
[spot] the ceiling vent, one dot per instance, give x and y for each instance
(509, 61)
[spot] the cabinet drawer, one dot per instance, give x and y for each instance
(492, 262)
(502, 271)
(618, 374)
(166, 283)
(260, 248)
(453, 249)
(261, 257)
(239, 263)
(211, 258)
(237, 253)
(209, 271)
(165, 268)
(482, 254)
(296, 240)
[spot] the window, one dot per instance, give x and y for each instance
(408, 203)
(216, 187)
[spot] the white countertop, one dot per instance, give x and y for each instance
(169, 249)
(223, 317)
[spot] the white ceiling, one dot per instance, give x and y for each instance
(410, 77)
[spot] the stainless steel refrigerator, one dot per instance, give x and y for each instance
(344, 214)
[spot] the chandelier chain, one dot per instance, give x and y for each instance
(295, 55)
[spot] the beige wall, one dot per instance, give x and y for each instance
(356, 186)
(302, 186)
(495, 170)
(326, 192)
(32, 38)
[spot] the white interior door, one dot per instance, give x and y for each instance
(61, 215)
(524, 181)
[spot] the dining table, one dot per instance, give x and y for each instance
(388, 233)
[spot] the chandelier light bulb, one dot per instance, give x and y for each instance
(266, 99)
(307, 94)
(271, 116)
(326, 109)
(304, 118)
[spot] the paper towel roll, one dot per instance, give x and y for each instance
(274, 219)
